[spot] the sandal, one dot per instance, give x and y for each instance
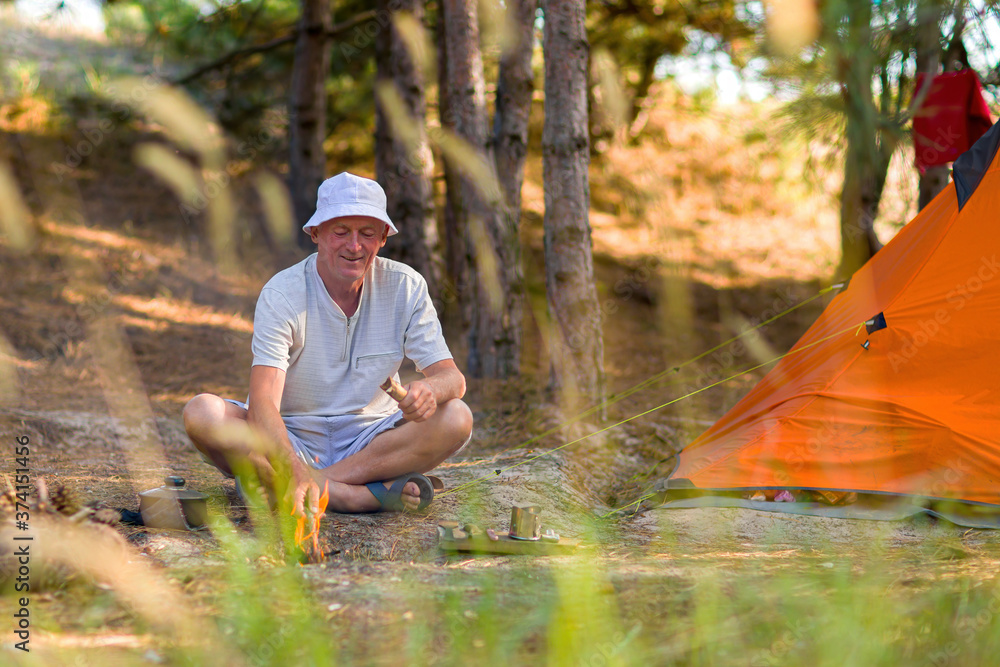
(391, 499)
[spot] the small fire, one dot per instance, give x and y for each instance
(313, 553)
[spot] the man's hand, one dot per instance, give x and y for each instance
(420, 403)
(442, 383)
(303, 492)
(263, 413)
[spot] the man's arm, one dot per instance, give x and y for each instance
(442, 382)
(263, 413)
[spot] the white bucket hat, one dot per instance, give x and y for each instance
(345, 195)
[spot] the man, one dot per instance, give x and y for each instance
(327, 332)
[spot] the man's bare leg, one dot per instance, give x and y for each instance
(411, 447)
(219, 430)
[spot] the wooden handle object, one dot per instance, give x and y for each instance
(394, 389)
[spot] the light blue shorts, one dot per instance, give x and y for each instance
(322, 441)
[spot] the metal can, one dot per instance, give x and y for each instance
(524, 522)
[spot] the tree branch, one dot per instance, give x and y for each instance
(956, 49)
(235, 55)
(275, 43)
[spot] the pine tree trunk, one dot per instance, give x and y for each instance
(404, 171)
(510, 145)
(638, 111)
(864, 171)
(453, 246)
(931, 183)
(463, 102)
(513, 106)
(476, 221)
(577, 346)
(928, 57)
(307, 122)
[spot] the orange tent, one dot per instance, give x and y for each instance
(908, 403)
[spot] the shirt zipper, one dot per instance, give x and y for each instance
(347, 340)
(347, 336)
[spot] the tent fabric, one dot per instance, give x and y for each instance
(952, 117)
(914, 412)
(968, 169)
(894, 511)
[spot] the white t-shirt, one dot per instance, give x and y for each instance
(335, 364)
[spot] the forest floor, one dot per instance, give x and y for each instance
(119, 315)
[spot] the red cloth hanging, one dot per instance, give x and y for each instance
(952, 117)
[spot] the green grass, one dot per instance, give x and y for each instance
(935, 601)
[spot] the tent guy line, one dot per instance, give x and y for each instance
(497, 473)
(674, 369)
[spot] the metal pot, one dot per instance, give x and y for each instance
(173, 507)
(525, 523)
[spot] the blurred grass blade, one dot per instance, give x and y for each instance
(418, 44)
(586, 624)
(610, 94)
(756, 345)
(791, 24)
(15, 221)
(183, 120)
(102, 556)
(487, 264)
(402, 125)
(8, 371)
(469, 162)
(277, 207)
(187, 184)
(221, 216)
(498, 25)
(172, 169)
(128, 402)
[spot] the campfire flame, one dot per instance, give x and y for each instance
(313, 553)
